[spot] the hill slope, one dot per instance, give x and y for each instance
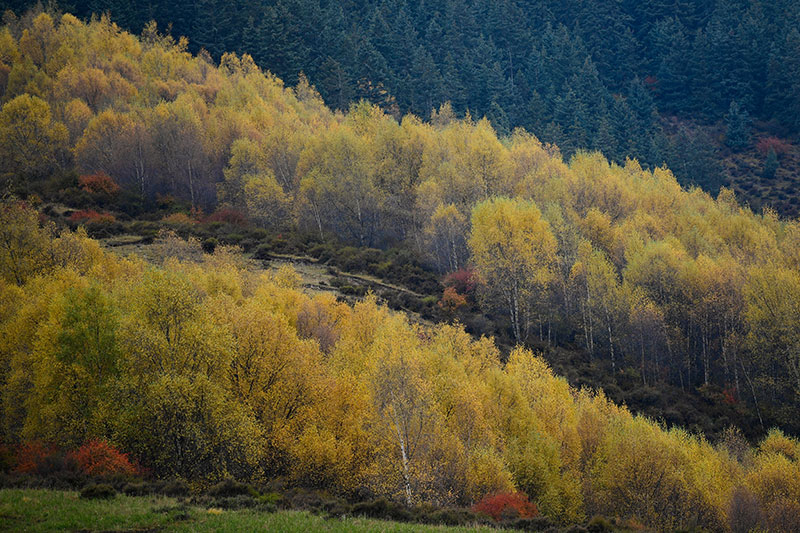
(202, 369)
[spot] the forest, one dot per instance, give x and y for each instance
(201, 367)
(630, 78)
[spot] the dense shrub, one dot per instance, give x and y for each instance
(7, 459)
(382, 508)
(137, 489)
(31, 457)
(90, 215)
(539, 523)
(209, 245)
(463, 281)
(451, 300)
(174, 487)
(599, 524)
(97, 458)
(98, 491)
(227, 215)
(99, 183)
(230, 487)
(779, 146)
(506, 506)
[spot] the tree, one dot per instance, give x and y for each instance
(514, 253)
(447, 234)
(25, 245)
(119, 144)
(33, 143)
(737, 134)
(338, 186)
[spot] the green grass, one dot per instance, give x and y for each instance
(46, 510)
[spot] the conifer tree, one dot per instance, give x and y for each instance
(737, 133)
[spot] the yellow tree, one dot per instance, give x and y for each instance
(25, 245)
(337, 184)
(772, 296)
(120, 145)
(446, 234)
(599, 294)
(514, 253)
(32, 142)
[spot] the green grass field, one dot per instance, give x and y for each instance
(46, 510)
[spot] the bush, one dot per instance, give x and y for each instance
(463, 281)
(230, 487)
(99, 183)
(451, 300)
(209, 245)
(98, 491)
(90, 215)
(137, 489)
(97, 458)
(506, 505)
(774, 144)
(452, 517)
(174, 487)
(31, 456)
(784, 515)
(382, 509)
(599, 524)
(227, 215)
(6, 458)
(538, 523)
(179, 219)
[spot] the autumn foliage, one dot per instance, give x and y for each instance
(506, 505)
(99, 183)
(774, 144)
(30, 456)
(98, 458)
(90, 215)
(202, 368)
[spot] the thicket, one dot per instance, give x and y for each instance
(204, 370)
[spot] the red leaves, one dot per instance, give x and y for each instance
(767, 144)
(90, 215)
(31, 455)
(100, 183)
(451, 301)
(227, 215)
(506, 505)
(97, 458)
(463, 281)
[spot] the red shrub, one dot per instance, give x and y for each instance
(90, 215)
(98, 458)
(100, 183)
(31, 455)
(451, 300)
(506, 505)
(779, 146)
(227, 215)
(463, 281)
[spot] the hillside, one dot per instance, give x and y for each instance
(604, 75)
(201, 366)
